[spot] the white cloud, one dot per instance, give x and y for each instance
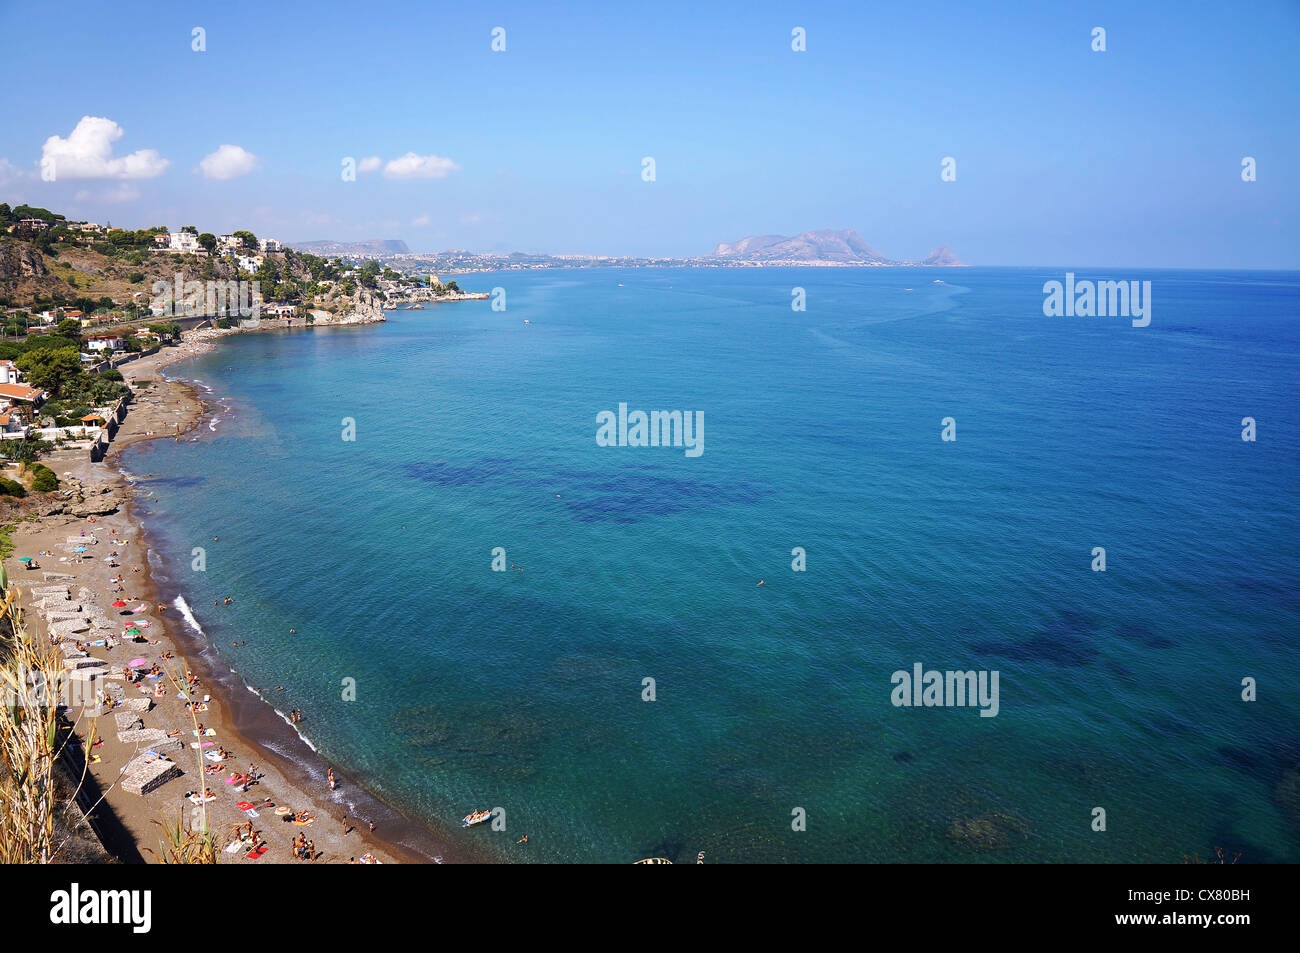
(370, 164)
(116, 193)
(10, 173)
(87, 153)
(411, 166)
(421, 220)
(228, 162)
(120, 193)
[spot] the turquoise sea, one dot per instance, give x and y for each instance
(523, 689)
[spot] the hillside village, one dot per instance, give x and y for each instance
(53, 268)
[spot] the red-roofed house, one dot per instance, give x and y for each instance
(11, 428)
(104, 342)
(22, 394)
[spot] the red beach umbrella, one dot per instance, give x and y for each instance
(119, 604)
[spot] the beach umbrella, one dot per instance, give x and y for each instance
(136, 662)
(25, 559)
(118, 604)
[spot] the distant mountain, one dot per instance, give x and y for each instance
(373, 246)
(942, 256)
(824, 245)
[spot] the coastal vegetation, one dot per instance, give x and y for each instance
(43, 478)
(12, 488)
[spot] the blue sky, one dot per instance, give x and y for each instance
(1064, 156)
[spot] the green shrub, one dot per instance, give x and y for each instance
(11, 488)
(44, 480)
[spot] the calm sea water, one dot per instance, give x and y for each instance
(523, 689)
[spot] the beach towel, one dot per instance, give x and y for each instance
(234, 846)
(254, 854)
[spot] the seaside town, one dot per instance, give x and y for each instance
(137, 745)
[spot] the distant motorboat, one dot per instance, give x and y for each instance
(477, 817)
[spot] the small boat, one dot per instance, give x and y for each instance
(653, 860)
(478, 817)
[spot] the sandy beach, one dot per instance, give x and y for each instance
(70, 597)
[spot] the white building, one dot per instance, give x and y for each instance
(183, 242)
(249, 262)
(270, 244)
(104, 342)
(8, 372)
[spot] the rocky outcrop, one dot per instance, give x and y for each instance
(76, 499)
(19, 261)
(365, 309)
(942, 257)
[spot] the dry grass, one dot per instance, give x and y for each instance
(32, 740)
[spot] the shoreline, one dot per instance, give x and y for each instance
(290, 771)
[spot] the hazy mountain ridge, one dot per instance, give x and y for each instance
(832, 245)
(371, 246)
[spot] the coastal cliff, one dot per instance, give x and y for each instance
(365, 309)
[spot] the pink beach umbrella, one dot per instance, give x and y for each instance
(136, 662)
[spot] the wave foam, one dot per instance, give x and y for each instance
(184, 607)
